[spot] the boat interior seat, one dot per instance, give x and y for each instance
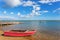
(19, 30)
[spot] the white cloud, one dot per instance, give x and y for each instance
(13, 3)
(31, 14)
(18, 14)
(22, 15)
(27, 16)
(33, 11)
(48, 1)
(34, 6)
(6, 17)
(37, 13)
(11, 13)
(37, 8)
(43, 1)
(28, 3)
(4, 12)
(50, 4)
(56, 10)
(45, 11)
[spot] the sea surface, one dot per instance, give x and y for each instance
(40, 25)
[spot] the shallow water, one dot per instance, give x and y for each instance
(38, 25)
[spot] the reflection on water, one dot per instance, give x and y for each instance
(44, 27)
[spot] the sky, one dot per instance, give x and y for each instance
(29, 9)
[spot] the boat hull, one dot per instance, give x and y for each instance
(29, 33)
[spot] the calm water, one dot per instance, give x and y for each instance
(50, 26)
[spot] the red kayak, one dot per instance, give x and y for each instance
(19, 33)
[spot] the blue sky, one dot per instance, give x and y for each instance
(29, 10)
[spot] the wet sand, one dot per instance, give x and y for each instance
(37, 36)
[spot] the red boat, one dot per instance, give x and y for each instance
(19, 33)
